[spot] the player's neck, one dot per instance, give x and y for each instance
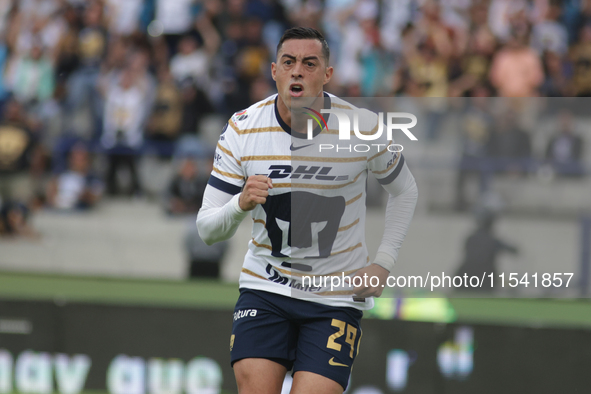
(285, 111)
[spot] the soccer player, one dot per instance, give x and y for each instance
(282, 323)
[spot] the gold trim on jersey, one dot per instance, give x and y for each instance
(347, 227)
(381, 152)
(270, 102)
(254, 130)
(228, 174)
(357, 197)
(255, 243)
(352, 248)
(226, 151)
(264, 158)
(233, 125)
(249, 272)
(260, 221)
(260, 130)
(389, 168)
(335, 105)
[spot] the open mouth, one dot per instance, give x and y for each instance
(296, 89)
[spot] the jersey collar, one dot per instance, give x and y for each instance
(317, 130)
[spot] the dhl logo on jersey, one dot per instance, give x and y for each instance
(304, 172)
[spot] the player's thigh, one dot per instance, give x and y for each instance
(259, 376)
(261, 330)
(328, 345)
(305, 382)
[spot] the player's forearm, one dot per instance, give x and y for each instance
(399, 212)
(219, 216)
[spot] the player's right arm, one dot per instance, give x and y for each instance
(221, 212)
(228, 197)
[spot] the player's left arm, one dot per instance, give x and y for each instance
(403, 194)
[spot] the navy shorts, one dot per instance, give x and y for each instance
(298, 334)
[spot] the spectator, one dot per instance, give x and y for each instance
(433, 30)
(142, 78)
(175, 18)
(115, 61)
(34, 20)
(500, 15)
(195, 106)
(6, 11)
(550, 34)
(93, 38)
(581, 18)
(555, 83)
(254, 55)
(192, 61)
(260, 89)
(481, 249)
(66, 57)
(476, 124)
(34, 78)
(3, 62)
(14, 221)
(185, 192)
(581, 58)
(92, 47)
(565, 148)
(362, 63)
(474, 65)
(17, 149)
(124, 16)
(167, 113)
(123, 134)
(429, 69)
(509, 145)
(77, 188)
(516, 70)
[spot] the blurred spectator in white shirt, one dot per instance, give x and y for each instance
(175, 16)
(396, 14)
(77, 187)
(192, 61)
(124, 16)
(122, 137)
(124, 113)
(500, 14)
(34, 20)
(550, 34)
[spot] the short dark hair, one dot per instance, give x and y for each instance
(305, 33)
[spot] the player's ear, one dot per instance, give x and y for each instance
(273, 70)
(328, 75)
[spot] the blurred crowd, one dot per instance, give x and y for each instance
(87, 81)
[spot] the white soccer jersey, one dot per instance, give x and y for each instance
(313, 223)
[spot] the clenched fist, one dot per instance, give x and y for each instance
(255, 192)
